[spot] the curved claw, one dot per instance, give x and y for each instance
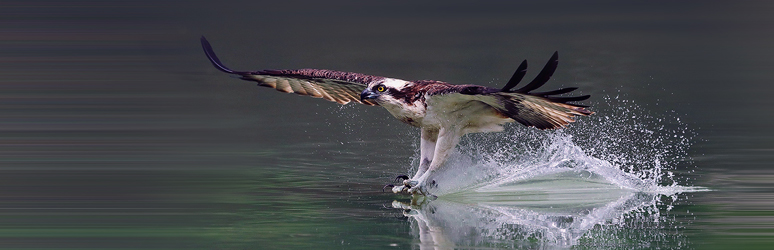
(401, 177)
(388, 185)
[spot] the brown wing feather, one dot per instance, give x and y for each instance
(331, 89)
(538, 111)
(542, 110)
(335, 86)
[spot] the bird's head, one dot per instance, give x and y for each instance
(387, 91)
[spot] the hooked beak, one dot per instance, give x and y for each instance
(368, 94)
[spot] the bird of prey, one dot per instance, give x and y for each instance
(443, 112)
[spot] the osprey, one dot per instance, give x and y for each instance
(443, 112)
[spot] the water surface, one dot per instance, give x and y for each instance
(115, 132)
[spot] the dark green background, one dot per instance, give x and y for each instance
(115, 132)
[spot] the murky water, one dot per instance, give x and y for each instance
(115, 132)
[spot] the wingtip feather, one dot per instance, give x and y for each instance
(544, 75)
(569, 99)
(517, 76)
(214, 59)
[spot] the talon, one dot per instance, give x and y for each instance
(399, 177)
(388, 185)
(398, 189)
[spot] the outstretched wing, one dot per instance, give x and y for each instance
(527, 109)
(542, 110)
(336, 86)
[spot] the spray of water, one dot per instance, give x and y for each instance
(621, 144)
(603, 182)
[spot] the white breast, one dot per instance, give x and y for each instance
(471, 116)
(413, 114)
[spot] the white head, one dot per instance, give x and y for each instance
(389, 91)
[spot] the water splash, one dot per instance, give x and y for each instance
(605, 182)
(622, 144)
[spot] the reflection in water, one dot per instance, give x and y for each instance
(553, 212)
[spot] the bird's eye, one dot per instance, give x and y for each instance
(380, 88)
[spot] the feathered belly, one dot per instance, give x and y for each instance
(470, 117)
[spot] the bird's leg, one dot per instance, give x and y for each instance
(426, 151)
(447, 140)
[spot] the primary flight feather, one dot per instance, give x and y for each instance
(444, 112)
